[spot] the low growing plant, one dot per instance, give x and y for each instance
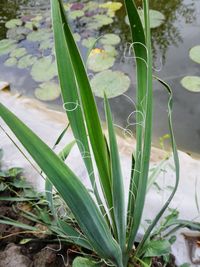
(105, 225)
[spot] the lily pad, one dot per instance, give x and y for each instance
(17, 34)
(39, 35)
(46, 44)
(112, 7)
(156, 18)
(100, 60)
(195, 54)
(191, 83)
(89, 42)
(44, 69)
(113, 83)
(6, 46)
(77, 37)
(48, 91)
(10, 62)
(75, 14)
(13, 23)
(98, 21)
(110, 39)
(18, 52)
(26, 61)
(110, 50)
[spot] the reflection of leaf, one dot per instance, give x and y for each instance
(6, 46)
(26, 61)
(44, 69)
(110, 39)
(10, 62)
(19, 52)
(48, 91)
(191, 83)
(13, 23)
(100, 61)
(113, 83)
(156, 18)
(195, 54)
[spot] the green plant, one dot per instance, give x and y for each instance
(106, 225)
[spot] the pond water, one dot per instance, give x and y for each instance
(172, 40)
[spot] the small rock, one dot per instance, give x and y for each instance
(12, 256)
(4, 86)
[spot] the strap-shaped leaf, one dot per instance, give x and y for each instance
(117, 179)
(71, 189)
(73, 75)
(144, 105)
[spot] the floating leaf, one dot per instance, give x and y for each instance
(26, 61)
(10, 62)
(100, 60)
(13, 23)
(6, 46)
(195, 54)
(110, 50)
(89, 42)
(17, 34)
(77, 37)
(46, 44)
(112, 7)
(39, 35)
(156, 18)
(75, 14)
(110, 39)
(44, 69)
(48, 91)
(98, 21)
(113, 83)
(19, 52)
(191, 83)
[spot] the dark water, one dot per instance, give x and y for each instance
(171, 44)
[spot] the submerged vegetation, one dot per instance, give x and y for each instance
(102, 222)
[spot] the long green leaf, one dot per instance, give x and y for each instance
(144, 105)
(117, 180)
(69, 59)
(69, 187)
(176, 162)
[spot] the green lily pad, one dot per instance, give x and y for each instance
(13, 23)
(98, 21)
(48, 91)
(113, 83)
(156, 18)
(46, 44)
(191, 83)
(112, 7)
(110, 39)
(17, 34)
(100, 61)
(110, 50)
(6, 46)
(75, 14)
(89, 42)
(18, 52)
(44, 69)
(77, 37)
(10, 62)
(195, 54)
(26, 61)
(39, 35)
